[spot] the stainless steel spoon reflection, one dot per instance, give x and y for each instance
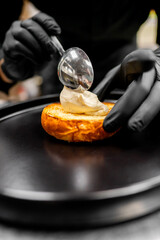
(74, 68)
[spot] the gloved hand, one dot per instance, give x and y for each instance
(28, 44)
(141, 101)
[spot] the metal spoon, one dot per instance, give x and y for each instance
(74, 68)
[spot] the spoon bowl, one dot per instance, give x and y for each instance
(74, 68)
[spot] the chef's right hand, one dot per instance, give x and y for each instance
(28, 44)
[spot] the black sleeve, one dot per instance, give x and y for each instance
(4, 87)
(9, 11)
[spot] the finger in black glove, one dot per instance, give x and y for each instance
(140, 102)
(28, 44)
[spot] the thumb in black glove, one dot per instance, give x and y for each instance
(140, 102)
(28, 44)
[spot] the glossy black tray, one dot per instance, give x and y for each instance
(48, 182)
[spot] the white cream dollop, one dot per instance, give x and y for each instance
(81, 101)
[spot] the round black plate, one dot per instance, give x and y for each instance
(49, 182)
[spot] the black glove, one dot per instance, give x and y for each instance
(141, 101)
(27, 45)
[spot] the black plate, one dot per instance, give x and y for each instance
(49, 182)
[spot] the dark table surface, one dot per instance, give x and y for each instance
(146, 227)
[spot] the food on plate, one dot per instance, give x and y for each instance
(77, 118)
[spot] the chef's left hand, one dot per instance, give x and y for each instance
(140, 103)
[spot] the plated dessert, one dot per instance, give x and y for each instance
(78, 117)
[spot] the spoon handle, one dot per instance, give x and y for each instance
(57, 45)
